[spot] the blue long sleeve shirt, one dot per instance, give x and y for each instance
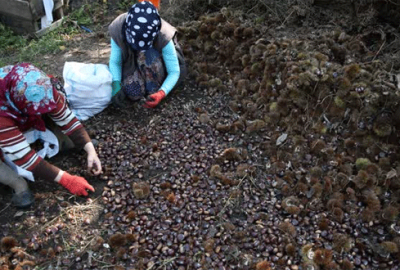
(170, 59)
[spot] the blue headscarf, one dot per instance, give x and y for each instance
(142, 25)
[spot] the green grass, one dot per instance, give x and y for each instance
(126, 4)
(7, 38)
(16, 48)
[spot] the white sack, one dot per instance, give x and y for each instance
(88, 88)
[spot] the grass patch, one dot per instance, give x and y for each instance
(17, 48)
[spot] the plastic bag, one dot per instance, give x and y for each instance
(88, 88)
(50, 149)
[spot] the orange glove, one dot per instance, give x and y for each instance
(156, 3)
(154, 99)
(75, 184)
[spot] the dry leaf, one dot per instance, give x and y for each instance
(391, 174)
(281, 139)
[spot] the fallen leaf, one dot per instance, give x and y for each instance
(19, 214)
(281, 139)
(392, 173)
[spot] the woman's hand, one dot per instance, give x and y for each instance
(154, 99)
(93, 161)
(75, 184)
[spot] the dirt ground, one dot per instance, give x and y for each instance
(221, 196)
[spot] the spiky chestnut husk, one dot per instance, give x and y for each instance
(368, 215)
(342, 242)
(288, 228)
(130, 237)
(317, 146)
(224, 128)
(228, 29)
(390, 247)
(385, 163)
(302, 188)
(141, 190)
(396, 240)
(338, 214)
(215, 35)
(271, 50)
(323, 224)
(238, 125)
(352, 71)
(254, 126)
(390, 213)
(290, 201)
(238, 32)
(263, 265)
(248, 32)
(307, 253)
(286, 190)
(121, 253)
(117, 240)
(362, 179)
(230, 154)
(245, 60)
(316, 172)
(382, 129)
(347, 264)
(361, 163)
(215, 171)
(255, 68)
(371, 199)
(202, 77)
(131, 215)
(290, 250)
(8, 242)
(209, 245)
(26, 264)
(317, 189)
(309, 266)
(273, 107)
(215, 82)
(171, 198)
(333, 203)
(372, 168)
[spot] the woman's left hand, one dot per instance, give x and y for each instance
(94, 164)
(154, 99)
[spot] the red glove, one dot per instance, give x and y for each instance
(155, 99)
(156, 3)
(75, 184)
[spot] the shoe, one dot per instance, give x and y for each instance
(23, 199)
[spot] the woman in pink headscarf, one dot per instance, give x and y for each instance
(26, 95)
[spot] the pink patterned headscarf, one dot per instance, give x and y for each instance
(26, 93)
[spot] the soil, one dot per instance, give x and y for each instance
(78, 232)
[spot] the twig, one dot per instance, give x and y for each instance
(378, 51)
(90, 256)
(290, 14)
(393, 3)
(8, 205)
(268, 7)
(228, 201)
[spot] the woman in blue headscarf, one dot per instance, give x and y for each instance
(145, 60)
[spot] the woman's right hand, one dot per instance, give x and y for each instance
(120, 100)
(116, 87)
(75, 184)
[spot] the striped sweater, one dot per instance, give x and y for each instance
(15, 146)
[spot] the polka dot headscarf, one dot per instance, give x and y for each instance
(142, 25)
